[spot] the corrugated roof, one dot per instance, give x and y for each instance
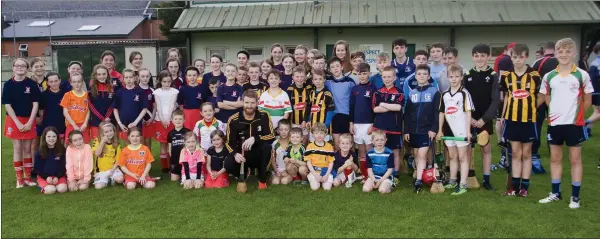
(104, 42)
(67, 27)
(385, 13)
(23, 9)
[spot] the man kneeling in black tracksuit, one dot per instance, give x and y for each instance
(249, 131)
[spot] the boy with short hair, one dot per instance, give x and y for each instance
(387, 106)
(521, 87)
(356, 58)
(421, 112)
(361, 114)
(254, 83)
(320, 102)
(213, 84)
(319, 62)
(403, 64)
(436, 66)
(294, 157)
(482, 82)
(343, 164)
(568, 91)
(380, 164)
(340, 87)
(241, 76)
(299, 93)
(421, 57)
(381, 61)
(176, 141)
(319, 159)
(449, 56)
(280, 146)
(275, 101)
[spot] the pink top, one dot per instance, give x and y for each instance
(80, 163)
(192, 159)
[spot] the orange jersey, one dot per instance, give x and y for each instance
(77, 106)
(135, 160)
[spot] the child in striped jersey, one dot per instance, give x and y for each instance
(380, 164)
(275, 101)
(294, 162)
(299, 92)
(255, 83)
(319, 159)
(280, 146)
(320, 103)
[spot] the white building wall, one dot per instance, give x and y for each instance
(149, 54)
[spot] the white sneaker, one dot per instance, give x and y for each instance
(351, 180)
(574, 204)
(30, 183)
(551, 197)
(20, 184)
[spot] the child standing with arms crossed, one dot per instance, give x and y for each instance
(455, 120)
(75, 108)
(106, 148)
(135, 161)
(215, 162)
(50, 163)
(130, 104)
(229, 95)
(191, 159)
(361, 114)
(191, 97)
(102, 97)
(320, 102)
(319, 159)
(204, 127)
(79, 162)
(176, 142)
(165, 97)
(380, 164)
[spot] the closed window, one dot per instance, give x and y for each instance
(256, 53)
(222, 51)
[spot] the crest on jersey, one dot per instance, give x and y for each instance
(259, 128)
(234, 93)
(27, 90)
(199, 96)
(137, 98)
(428, 96)
(149, 97)
(487, 79)
(85, 102)
(520, 94)
(407, 69)
(470, 79)
(393, 97)
(368, 93)
(110, 95)
(10, 130)
(114, 82)
(142, 153)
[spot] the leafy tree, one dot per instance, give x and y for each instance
(169, 18)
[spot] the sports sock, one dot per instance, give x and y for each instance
(363, 168)
(18, 170)
(576, 187)
(556, 186)
(471, 173)
(515, 183)
(486, 178)
(28, 166)
(452, 181)
(164, 161)
(525, 184)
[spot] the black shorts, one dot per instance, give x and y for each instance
(419, 141)
(571, 135)
(340, 124)
(488, 127)
(394, 141)
(596, 99)
(519, 131)
(499, 111)
(175, 169)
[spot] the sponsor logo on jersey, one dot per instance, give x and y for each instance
(451, 110)
(520, 94)
(300, 106)
(142, 153)
(315, 109)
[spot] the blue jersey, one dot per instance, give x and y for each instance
(228, 93)
(411, 83)
(421, 110)
(130, 103)
(53, 112)
(391, 121)
(435, 69)
(380, 162)
(21, 95)
(191, 97)
(101, 105)
(361, 104)
(594, 72)
(286, 81)
(403, 70)
(340, 89)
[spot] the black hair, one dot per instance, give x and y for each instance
(245, 53)
(332, 60)
(520, 49)
(52, 73)
(217, 56)
(363, 67)
(423, 67)
(213, 81)
(481, 48)
(422, 52)
(192, 68)
(450, 49)
(399, 42)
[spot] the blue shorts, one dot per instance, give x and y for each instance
(394, 141)
(524, 132)
(419, 141)
(571, 135)
(323, 171)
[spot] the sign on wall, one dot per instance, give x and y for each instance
(371, 51)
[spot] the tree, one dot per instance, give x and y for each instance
(169, 18)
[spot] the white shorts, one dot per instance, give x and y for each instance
(361, 133)
(192, 176)
(452, 143)
(102, 177)
(311, 138)
(341, 177)
(304, 131)
(311, 177)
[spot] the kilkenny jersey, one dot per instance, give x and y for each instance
(319, 103)
(299, 100)
(259, 88)
(455, 106)
(521, 95)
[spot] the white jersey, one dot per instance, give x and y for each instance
(454, 106)
(280, 153)
(166, 101)
(566, 96)
(275, 105)
(203, 131)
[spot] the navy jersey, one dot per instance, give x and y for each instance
(150, 98)
(421, 110)
(130, 103)
(391, 121)
(21, 95)
(228, 93)
(361, 109)
(403, 70)
(65, 85)
(101, 105)
(286, 81)
(340, 160)
(206, 80)
(178, 83)
(53, 112)
(212, 99)
(191, 97)
(279, 67)
(177, 141)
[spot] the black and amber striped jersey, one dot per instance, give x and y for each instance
(521, 95)
(299, 100)
(319, 104)
(259, 88)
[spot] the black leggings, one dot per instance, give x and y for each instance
(258, 157)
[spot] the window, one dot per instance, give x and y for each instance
(40, 23)
(256, 53)
(222, 51)
(88, 28)
(497, 49)
(290, 49)
(23, 47)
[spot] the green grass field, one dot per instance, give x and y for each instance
(296, 211)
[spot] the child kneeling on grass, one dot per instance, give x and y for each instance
(215, 162)
(380, 164)
(50, 163)
(191, 159)
(135, 161)
(344, 165)
(106, 149)
(294, 156)
(79, 162)
(280, 146)
(319, 159)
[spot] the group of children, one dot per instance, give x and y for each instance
(407, 100)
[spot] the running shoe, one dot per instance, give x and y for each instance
(29, 182)
(451, 186)
(523, 193)
(551, 198)
(510, 192)
(488, 186)
(459, 191)
(574, 203)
